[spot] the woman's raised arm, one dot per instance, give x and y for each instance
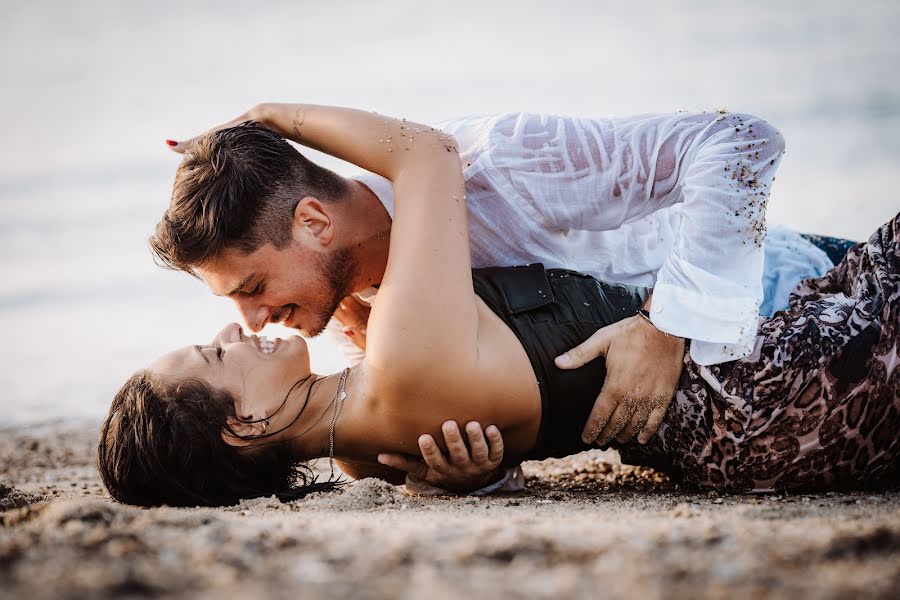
(379, 144)
(425, 319)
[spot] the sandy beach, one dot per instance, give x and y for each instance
(93, 89)
(586, 527)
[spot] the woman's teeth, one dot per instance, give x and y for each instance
(267, 347)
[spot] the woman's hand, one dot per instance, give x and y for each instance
(462, 469)
(254, 114)
(353, 316)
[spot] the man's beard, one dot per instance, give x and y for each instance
(338, 270)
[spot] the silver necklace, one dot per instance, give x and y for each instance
(339, 396)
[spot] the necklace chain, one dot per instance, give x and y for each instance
(339, 396)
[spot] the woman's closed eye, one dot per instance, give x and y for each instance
(220, 351)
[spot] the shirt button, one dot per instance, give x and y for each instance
(657, 308)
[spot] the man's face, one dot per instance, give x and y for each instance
(295, 286)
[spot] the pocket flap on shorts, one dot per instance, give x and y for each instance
(523, 288)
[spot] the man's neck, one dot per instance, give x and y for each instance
(370, 234)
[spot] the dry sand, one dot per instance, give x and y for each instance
(585, 528)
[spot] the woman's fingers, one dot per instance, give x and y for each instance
(653, 422)
(477, 443)
(182, 146)
(354, 316)
(431, 454)
(177, 147)
(456, 447)
(356, 312)
(351, 312)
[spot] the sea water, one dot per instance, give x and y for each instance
(90, 90)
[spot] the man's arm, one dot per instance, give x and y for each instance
(595, 175)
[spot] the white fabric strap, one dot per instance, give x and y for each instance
(513, 480)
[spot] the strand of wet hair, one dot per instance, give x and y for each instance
(283, 402)
(263, 436)
(305, 431)
(298, 492)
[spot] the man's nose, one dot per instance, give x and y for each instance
(255, 317)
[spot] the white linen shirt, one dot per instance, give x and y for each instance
(670, 201)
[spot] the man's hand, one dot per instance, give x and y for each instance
(353, 315)
(462, 470)
(643, 366)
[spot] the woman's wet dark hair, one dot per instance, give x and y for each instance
(161, 443)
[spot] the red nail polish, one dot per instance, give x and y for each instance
(349, 332)
(171, 143)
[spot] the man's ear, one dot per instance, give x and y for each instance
(312, 222)
(242, 432)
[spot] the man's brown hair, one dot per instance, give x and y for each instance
(237, 188)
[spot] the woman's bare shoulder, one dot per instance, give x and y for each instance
(498, 387)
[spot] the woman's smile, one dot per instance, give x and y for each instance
(267, 346)
(234, 334)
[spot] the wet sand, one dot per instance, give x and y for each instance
(586, 527)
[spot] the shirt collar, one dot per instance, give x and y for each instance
(381, 187)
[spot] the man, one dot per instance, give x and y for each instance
(567, 192)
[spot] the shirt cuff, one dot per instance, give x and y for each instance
(513, 480)
(721, 329)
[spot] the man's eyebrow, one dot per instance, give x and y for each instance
(239, 286)
(200, 351)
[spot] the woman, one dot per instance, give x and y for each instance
(212, 424)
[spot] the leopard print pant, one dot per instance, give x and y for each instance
(817, 404)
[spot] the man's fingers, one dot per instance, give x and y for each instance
(432, 455)
(495, 444)
(477, 443)
(406, 463)
(619, 419)
(588, 350)
(653, 422)
(634, 426)
(456, 447)
(603, 408)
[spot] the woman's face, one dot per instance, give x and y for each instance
(237, 363)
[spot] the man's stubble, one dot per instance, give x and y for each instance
(338, 271)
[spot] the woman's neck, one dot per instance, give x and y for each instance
(309, 434)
